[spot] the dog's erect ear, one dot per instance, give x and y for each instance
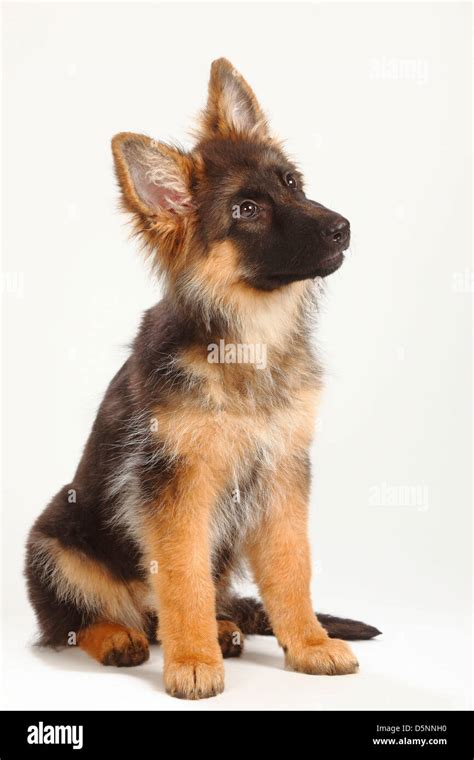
(232, 109)
(154, 177)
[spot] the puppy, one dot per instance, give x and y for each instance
(198, 460)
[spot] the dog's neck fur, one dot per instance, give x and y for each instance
(273, 318)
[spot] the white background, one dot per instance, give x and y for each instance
(374, 100)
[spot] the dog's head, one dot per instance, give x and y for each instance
(231, 213)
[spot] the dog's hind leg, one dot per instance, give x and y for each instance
(230, 637)
(78, 601)
(113, 644)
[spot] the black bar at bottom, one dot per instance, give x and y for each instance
(124, 733)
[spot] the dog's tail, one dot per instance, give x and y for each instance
(250, 616)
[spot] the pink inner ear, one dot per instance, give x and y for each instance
(162, 197)
(157, 197)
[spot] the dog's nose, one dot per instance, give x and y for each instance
(337, 231)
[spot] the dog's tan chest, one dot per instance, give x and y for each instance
(225, 440)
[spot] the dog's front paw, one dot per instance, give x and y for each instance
(330, 657)
(191, 678)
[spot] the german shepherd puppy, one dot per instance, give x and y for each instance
(198, 458)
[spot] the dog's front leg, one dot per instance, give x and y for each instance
(279, 555)
(178, 539)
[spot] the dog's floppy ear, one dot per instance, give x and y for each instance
(232, 109)
(154, 177)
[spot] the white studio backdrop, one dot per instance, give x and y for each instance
(374, 102)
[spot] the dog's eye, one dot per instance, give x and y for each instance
(248, 209)
(290, 180)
